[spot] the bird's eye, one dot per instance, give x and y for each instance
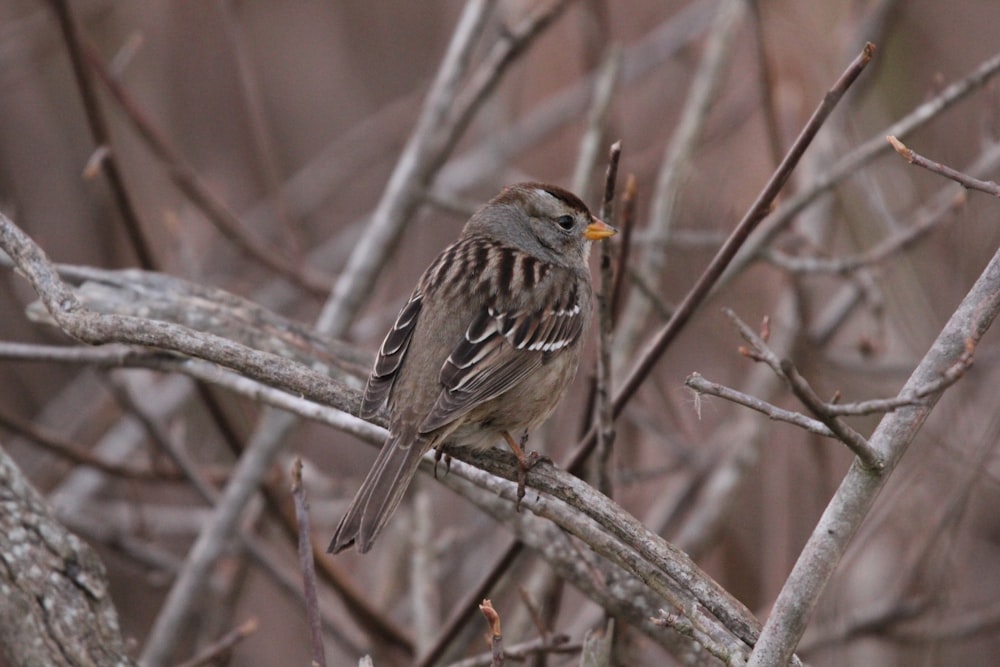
(566, 222)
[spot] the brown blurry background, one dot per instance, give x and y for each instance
(294, 114)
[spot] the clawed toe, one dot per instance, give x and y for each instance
(525, 464)
(439, 454)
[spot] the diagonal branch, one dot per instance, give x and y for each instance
(857, 492)
(102, 138)
(760, 208)
(192, 186)
(444, 117)
(966, 181)
(96, 328)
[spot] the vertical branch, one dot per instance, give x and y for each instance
(307, 566)
(605, 418)
(626, 224)
(495, 635)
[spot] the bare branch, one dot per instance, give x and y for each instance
(864, 154)
(307, 566)
(854, 440)
(445, 116)
(604, 376)
(856, 494)
(53, 584)
(702, 386)
(966, 181)
(187, 180)
(102, 138)
(658, 344)
(95, 328)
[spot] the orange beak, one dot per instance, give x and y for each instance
(598, 229)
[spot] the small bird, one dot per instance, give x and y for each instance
(485, 346)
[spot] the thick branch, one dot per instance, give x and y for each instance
(55, 609)
(95, 328)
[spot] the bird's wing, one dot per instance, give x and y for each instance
(500, 348)
(390, 357)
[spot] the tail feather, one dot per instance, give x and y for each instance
(380, 493)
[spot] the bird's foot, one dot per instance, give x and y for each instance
(525, 462)
(439, 454)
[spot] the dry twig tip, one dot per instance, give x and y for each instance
(900, 148)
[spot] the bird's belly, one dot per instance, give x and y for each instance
(520, 409)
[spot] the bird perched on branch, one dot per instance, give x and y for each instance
(485, 346)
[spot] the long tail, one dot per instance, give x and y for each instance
(380, 493)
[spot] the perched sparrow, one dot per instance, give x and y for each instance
(484, 347)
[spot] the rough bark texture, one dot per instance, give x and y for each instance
(54, 603)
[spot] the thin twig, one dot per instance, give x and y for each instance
(851, 163)
(102, 138)
(854, 440)
(215, 651)
(676, 162)
(603, 388)
(856, 495)
(702, 386)
(462, 611)
(495, 635)
(626, 225)
(963, 179)
(760, 208)
(784, 368)
(934, 213)
(192, 186)
(307, 566)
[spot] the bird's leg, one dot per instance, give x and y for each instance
(439, 453)
(524, 463)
